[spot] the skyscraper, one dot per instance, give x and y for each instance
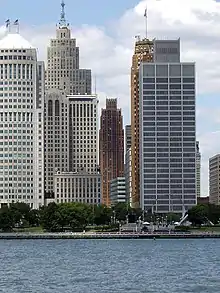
(127, 137)
(64, 77)
(56, 136)
(111, 146)
(143, 52)
(71, 145)
(198, 170)
(21, 121)
(83, 180)
(214, 179)
(167, 131)
(63, 70)
(83, 133)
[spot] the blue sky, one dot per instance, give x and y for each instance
(97, 12)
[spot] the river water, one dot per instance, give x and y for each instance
(98, 266)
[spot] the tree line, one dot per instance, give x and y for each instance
(60, 217)
(79, 216)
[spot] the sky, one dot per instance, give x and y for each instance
(105, 32)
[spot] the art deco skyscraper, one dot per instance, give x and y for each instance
(21, 121)
(143, 52)
(64, 77)
(111, 146)
(63, 70)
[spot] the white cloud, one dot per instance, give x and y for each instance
(108, 51)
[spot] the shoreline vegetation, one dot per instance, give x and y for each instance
(79, 217)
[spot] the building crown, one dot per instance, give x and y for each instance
(63, 23)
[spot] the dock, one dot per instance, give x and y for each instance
(51, 236)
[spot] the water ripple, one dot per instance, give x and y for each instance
(111, 266)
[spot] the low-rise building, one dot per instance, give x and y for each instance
(77, 187)
(117, 190)
(203, 200)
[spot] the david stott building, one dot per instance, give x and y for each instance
(167, 131)
(111, 146)
(21, 120)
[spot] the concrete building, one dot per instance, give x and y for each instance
(63, 70)
(117, 190)
(64, 78)
(127, 137)
(71, 136)
(83, 133)
(111, 146)
(21, 120)
(128, 176)
(143, 52)
(198, 171)
(167, 131)
(214, 180)
(77, 187)
(56, 136)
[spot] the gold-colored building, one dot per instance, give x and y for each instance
(143, 52)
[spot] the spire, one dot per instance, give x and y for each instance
(63, 22)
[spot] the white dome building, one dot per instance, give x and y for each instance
(21, 122)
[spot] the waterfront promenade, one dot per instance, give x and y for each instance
(89, 235)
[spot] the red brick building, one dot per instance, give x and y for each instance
(111, 147)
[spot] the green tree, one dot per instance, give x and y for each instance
(80, 215)
(50, 217)
(213, 213)
(122, 210)
(102, 215)
(198, 215)
(6, 219)
(171, 217)
(33, 218)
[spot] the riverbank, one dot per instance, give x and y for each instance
(35, 236)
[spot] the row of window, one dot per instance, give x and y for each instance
(16, 82)
(24, 89)
(170, 80)
(16, 57)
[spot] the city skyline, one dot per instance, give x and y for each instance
(113, 78)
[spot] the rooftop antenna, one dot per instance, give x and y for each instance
(62, 15)
(145, 16)
(95, 84)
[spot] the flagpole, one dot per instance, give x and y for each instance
(16, 24)
(145, 16)
(8, 25)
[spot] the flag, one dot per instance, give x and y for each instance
(16, 22)
(145, 13)
(7, 22)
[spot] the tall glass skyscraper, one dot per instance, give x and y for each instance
(167, 131)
